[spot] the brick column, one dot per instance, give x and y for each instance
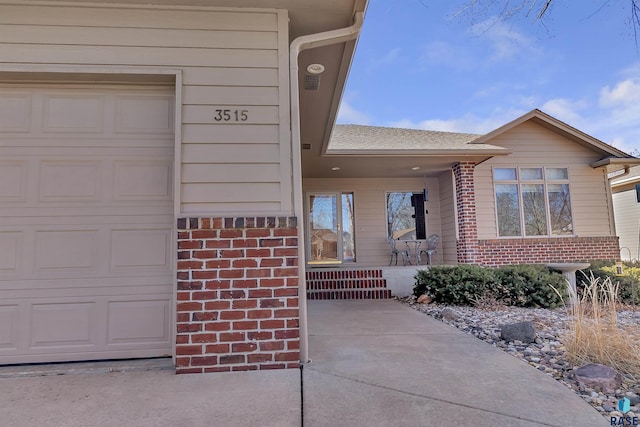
(237, 298)
(467, 244)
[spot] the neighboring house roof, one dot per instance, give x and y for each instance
(629, 179)
(357, 139)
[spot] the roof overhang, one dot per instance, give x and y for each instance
(616, 162)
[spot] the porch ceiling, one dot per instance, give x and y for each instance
(354, 166)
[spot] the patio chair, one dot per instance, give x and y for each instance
(395, 252)
(432, 246)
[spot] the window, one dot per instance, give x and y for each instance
(331, 228)
(406, 216)
(534, 200)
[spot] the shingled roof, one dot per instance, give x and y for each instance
(373, 138)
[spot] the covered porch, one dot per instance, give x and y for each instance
(360, 207)
(369, 185)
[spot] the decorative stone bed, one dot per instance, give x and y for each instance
(547, 353)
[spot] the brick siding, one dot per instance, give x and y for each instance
(237, 298)
(547, 250)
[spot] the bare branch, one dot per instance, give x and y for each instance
(544, 9)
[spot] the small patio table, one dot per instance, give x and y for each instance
(413, 247)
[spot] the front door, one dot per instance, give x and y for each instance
(330, 228)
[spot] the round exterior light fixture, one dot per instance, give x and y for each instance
(315, 68)
(335, 168)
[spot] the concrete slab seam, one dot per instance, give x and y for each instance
(408, 393)
(301, 396)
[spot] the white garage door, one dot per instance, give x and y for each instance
(86, 220)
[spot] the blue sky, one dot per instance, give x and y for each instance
(420, 64)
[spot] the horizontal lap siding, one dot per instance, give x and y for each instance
(370, 210)
(447, 209)
(535, 146)
(228, 59)
(627, 213)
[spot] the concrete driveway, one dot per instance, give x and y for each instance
(375, 363)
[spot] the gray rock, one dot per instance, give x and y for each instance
(449, 315)
(599, 376)
(521, 331)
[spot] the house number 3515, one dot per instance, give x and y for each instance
(231, 115)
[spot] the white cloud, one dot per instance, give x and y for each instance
(389, 58)
(566, 110)
(623, 93)
(506, 41)
(347, 114)
(443, 53)
(469, 123)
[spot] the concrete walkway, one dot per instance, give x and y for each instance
(375, 363)
(379, 363)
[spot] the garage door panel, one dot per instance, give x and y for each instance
(139, 322)
(15, 112)
(69, 181)
(13, 181)
(143, 180)
(150, 114)
(9, 321)
(66, 250)
(68, 113)
(87, 232)
(146, 251)
(11, 247)
(63, 325)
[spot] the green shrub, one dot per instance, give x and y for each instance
(527, 285)
(459, 285)
(518, 285)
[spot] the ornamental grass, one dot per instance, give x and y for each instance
(594, 333)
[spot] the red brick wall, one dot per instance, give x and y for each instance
(547, 250)
(467, 243)
(237, 298)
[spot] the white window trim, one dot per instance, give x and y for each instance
(518, 182)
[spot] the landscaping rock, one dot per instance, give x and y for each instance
(424, 299)
(550, 327)
(449, 315)
(521, 331)
(599, 376)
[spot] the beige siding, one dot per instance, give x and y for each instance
(448, 210)
(627, 213)
(370, 210)
(228, 59)
(535, 146)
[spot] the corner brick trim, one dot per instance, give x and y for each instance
(467, 243)
(237, 298)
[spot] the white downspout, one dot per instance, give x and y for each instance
(298, 45)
